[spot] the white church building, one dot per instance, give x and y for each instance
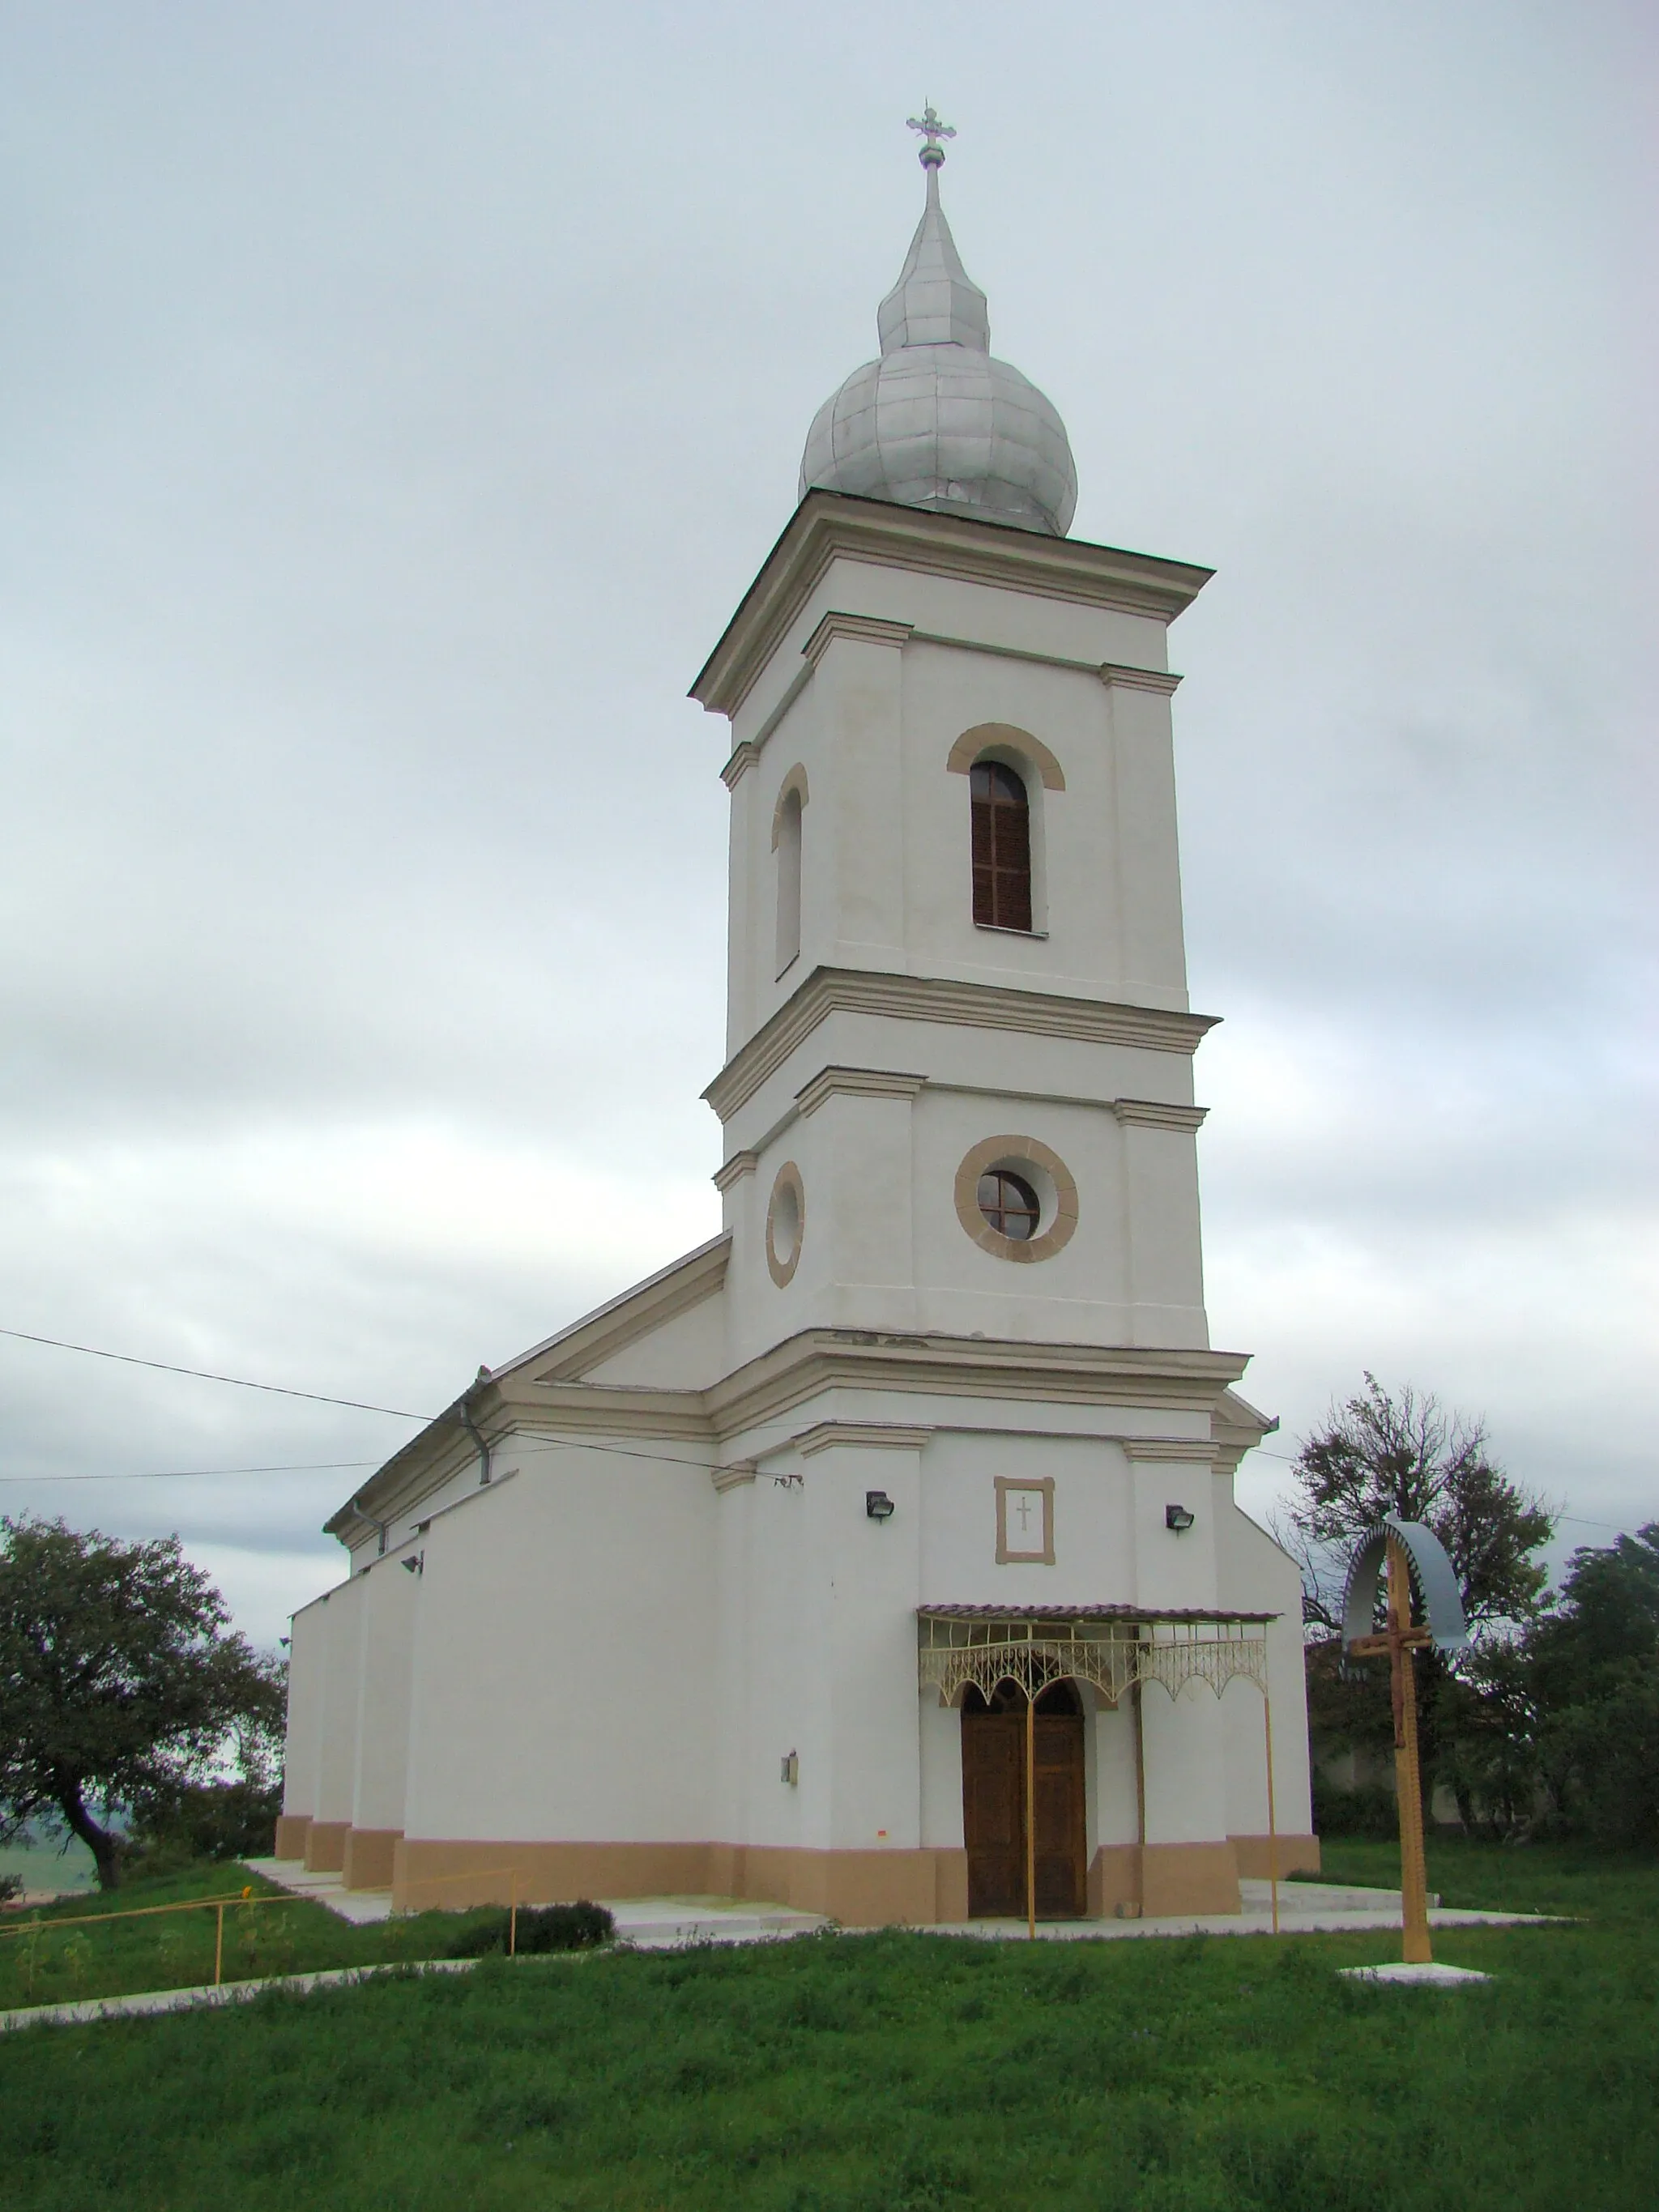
(740, 1585)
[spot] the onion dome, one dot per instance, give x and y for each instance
(937, 421)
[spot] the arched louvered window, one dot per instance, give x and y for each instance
(786, 835)
(1002, 847)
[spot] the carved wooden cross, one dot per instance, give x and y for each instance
(1400, 1642)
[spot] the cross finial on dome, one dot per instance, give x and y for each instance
(932, 155)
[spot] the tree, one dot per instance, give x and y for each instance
(1379, 1453)
(1594, 1695)
(1402, 1453)
(118, 1682)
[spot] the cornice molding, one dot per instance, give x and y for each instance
(867, 629)
(863, 1436)
(1184, 1451)
(856, 1082)
(770, 1385)
(568, 1412)
(827, 991)
(743, 758)
(732, 1478)
(601, 1334)
(1114, 673)
(1158, 1113)
(734, 1170)
(827, 524)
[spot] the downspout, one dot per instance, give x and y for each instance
(473, 1431)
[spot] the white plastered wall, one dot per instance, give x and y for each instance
(391, 1601)
(308, 1666)
(829, 1670)
(343, 1611)
(1253, 1571)
(1184, 1758)
(564, 1654)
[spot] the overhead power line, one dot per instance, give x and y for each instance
(199, 1474)
(206, 1375)
(395, 1413)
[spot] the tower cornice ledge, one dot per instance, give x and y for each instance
(827, 524)
(803, 1367)
(829, 991)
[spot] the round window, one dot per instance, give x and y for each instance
(1010, 1205)
(786, 1219)
(1017, 1199)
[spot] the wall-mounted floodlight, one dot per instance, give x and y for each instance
(415, 1565)
(1178, 1518)
(878, 1505)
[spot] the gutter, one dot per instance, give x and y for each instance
(464, 1408)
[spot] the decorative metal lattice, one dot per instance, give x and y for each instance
(957, 1649)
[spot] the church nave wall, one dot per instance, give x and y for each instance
(564, 1654)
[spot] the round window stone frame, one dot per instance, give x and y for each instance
(787, 1179)
(1014, 1153)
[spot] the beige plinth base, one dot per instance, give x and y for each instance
(291, 1835)
(367, 1860)
(862, 1889)
(1187, 1878)
(1292, 1854)
(1159, 1879)
(325, 1843)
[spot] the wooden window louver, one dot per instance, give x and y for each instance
(1001, 847)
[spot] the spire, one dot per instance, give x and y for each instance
(935, 302)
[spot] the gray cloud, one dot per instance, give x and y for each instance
(397, 400)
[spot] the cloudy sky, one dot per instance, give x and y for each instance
(397, 398)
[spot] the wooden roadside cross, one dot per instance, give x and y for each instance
(1403, 1544)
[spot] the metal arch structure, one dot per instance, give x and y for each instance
(960, 1648)
(1115, 1649)
(1431, 1570)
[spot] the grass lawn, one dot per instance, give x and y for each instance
(57, 1953)
(894, 2072)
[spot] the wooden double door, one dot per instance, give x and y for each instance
(993, 1804)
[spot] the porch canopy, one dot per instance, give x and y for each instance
(1111, 1647)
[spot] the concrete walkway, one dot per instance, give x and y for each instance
(649, 1923)
(225, 1993)
(655, 1923)
(364, 1908)
(1305, 1908)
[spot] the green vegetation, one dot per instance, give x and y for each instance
(892, 2073)
(57, 1956)
(120, 1689)
(1547, 1724)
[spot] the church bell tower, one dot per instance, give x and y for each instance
(957, 1097)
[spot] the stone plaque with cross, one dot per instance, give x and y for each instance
(1025, 1519)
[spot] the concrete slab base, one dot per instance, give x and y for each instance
(649, 1923)
(364, 1908)
(656, 1923)
(1431, 1975)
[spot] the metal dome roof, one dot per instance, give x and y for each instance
(936, 422)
